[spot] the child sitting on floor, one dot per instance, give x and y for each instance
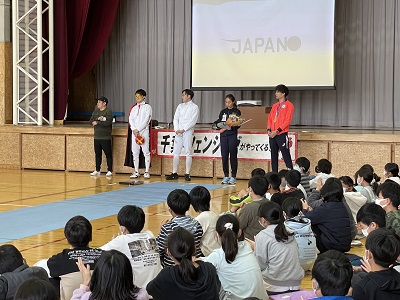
(243, 197)
(140, 247)
(277, 252)
(186, 279)
(178, 202)
(383, 281)
(200, 199)
(301, 226)
(235, 257)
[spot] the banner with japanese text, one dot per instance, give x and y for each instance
(206, 144)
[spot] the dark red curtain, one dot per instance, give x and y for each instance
(97, 31)
(77, 12)
(81, 31)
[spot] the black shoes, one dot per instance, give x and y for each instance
(172, 176)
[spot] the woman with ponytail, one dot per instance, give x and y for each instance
(186, 279)
(229, 138)
(277, 252)
(236, 258)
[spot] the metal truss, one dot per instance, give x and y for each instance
(33, 62)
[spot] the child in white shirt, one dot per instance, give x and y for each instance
(200, 199)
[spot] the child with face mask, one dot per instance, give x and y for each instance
(302, 164)
(383, 281)
(369, 217)
(331, 279)
(389, 199)
(331, 276)
(367, 182)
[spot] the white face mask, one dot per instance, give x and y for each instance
(378, 201)
(261, 223)
(385, 174)
(344, 190)
(297, 168)
(315, 288)
(365, 231)
(365, 256)
(359, 180)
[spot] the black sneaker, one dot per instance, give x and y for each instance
(172, 176)
(187, 177)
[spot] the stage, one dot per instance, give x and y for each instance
(70, 148)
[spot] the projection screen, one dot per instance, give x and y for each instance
(257, 44)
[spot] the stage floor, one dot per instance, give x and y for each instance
(70, 148)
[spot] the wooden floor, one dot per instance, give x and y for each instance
(25, 188)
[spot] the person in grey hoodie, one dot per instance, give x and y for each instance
(178, 202)
(277, 252)
(301, 226)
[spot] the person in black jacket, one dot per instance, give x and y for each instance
(330, 221)
(187, 279)
(62, 268)
(228, 138)
(14, 271)
(383, 281)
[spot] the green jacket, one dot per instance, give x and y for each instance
(393, 221)
(103, 129)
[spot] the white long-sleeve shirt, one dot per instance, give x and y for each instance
(140, 117)
(186, 116)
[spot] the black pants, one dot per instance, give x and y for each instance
(103, 145)
(320, 245)
(229, 148)
(280, 142)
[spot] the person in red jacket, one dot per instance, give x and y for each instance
(278, 127)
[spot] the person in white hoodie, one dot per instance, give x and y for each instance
(353, 198)
(323, 170)
(277, 252)
(139, 122)
(392, 172)
(301, 226)
(185, 118)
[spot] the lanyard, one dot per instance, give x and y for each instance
(279, 108)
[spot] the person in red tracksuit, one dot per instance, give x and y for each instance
(278, 127)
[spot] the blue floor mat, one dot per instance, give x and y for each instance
(24, 222)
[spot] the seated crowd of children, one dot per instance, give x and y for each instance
(281, 227)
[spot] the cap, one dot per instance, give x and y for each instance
(104, 99)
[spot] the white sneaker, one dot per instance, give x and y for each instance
(146, 175)
(134, 175)
(95, 173)
(109, 174)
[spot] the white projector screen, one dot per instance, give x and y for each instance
(257, 44)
